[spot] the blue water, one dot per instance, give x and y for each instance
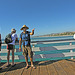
(49, 38)
(44, 45)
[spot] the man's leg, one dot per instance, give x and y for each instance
(31, 56)
(32, 65)
(27, 65)
(8, 56)
(31, 59)
(25, 53)
(12, 56)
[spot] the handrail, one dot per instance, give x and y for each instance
(48, 52)
(54, 40)
(49, 40)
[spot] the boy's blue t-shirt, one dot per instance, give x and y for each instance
(24, 37)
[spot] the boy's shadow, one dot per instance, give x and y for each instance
(23, 64)
(17, 66)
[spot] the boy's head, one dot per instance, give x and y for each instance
(13, 30)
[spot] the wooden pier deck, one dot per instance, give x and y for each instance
(61, 67)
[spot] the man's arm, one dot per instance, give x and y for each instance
(20, 42)
(32, 33)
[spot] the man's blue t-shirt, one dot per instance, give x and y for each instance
(25, 37)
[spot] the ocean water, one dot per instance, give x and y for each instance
(45, 39)
(51, 38)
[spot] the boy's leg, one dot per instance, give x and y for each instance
(8, 57)
(12, 56)
(0, 47)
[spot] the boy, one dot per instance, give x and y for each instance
(11, 46)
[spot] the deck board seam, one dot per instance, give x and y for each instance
(55, 69)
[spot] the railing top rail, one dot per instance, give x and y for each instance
(54, 40)
(50, 40)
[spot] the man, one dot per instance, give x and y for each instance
(11, 46)
(25, 40)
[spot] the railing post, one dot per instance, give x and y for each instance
(70, 43)
(71, 50)
(33, 45)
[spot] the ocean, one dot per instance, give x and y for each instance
(45, 39)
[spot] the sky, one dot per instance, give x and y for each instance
(46, 16)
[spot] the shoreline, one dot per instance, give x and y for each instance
(49, 36)
(52, 36)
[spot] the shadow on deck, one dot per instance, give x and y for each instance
(62, 67)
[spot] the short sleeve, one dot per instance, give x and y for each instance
(29, 32)
(16, 36)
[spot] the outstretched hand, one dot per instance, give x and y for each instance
(33, 29)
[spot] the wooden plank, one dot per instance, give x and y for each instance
(63, 67)
(51, 69)
(43, 69)
(5, 69)
(16, 70)
(27, 71)
(1, 64)
(71, 62)
(37, 70)
(72, 66)
(66, 67)
(59, 69)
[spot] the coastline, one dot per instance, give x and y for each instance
(52, 36)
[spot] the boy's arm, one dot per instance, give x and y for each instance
(16, 37)
(20, 41)
(32, 33)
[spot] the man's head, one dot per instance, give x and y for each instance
(24, 28)
(13, 30)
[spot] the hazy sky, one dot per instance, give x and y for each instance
(46, 16)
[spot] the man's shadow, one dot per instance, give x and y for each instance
(23, 64)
